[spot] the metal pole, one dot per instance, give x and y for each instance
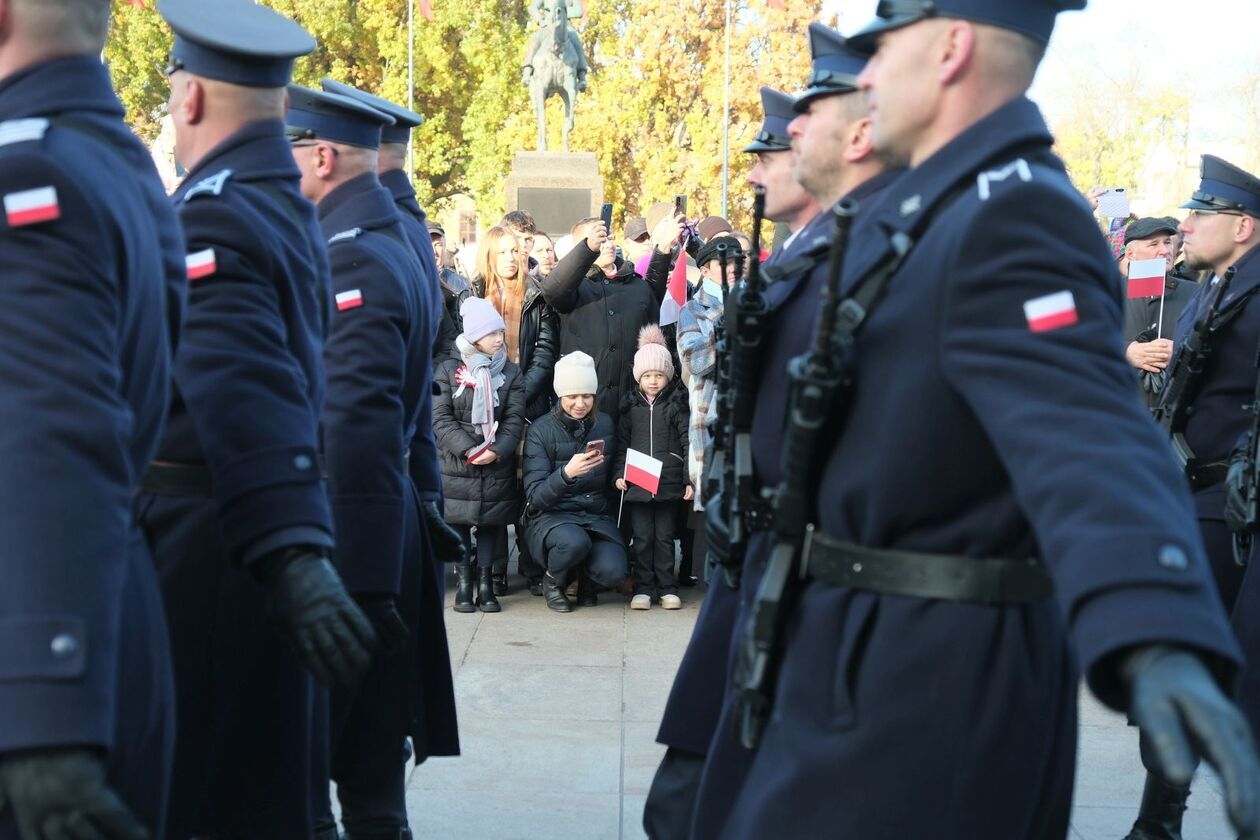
(411, 80)
(726, 115)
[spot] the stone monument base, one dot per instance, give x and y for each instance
(557, 188)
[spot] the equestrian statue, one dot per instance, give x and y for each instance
(555, 63)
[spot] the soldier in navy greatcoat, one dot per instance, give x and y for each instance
(234, 504)
(995, 509)
(91, 290)
(819, 173)
(379, 371)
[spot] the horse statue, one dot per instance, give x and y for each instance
(555, 64)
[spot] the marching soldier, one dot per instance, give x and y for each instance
(234, 503)
(91, 260)
(378, 373)
(977, 530)
(834, 159)
(1205, 408)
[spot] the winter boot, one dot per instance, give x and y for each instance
(485, 591)
(1159, 818)
(553, 591)
(500, 583)
(586, 596)
(463, 588)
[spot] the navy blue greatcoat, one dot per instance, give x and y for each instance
(1218, 423)
(379, 373)
(249, 385)
(971, 434)
(91, 291)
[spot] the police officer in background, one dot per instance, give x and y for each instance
(988, 461)
(378, 372)
(91, 260)
(234, 504)
(1222, 233)
(805, 162)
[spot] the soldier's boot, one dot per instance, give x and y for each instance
(485, 590)
(553, 591)
(464, 588)
(1159, 818)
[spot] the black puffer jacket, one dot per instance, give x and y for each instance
(660, 431)
(454, 290)
(550, 500)
(538, 348)
(602, 316)
(485, 495)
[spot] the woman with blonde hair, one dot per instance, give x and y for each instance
(532, 341)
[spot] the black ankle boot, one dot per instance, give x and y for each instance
(1159, 818)
(500, 583)
(536, 586)
(553, 591)
(485, 591)
(586, 596)
(463, 588)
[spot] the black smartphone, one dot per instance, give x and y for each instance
(605, 215)
(680, 205)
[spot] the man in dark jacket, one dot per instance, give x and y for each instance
(603, 304)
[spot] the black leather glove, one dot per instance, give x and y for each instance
(1185, 716)
(333, 635)
(717, 530)
(382, 611)
(447, 544)
(55, 793)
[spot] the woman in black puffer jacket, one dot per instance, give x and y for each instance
(567, 524)
(478, 454)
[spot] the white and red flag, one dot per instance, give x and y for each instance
(1050, 312)
(349, 300)
(676, 292)
(30, 207)
(201, 264)
(643, 471)
(1146, 277)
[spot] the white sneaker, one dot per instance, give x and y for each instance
(641, 602)
(671, 602)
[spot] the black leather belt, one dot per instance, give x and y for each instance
(1207, 475)
(168, 478)
(944, 577)
(759, 515)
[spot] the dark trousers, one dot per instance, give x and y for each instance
(672, 797)
(571, 546)
(491, 549)
(686, 539)
(526, 564)
(652, 526)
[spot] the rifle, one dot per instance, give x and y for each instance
(1185, 378)
(746, 316)
(1250, 458)
(818, 380)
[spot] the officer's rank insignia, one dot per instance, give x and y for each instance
(31, 207)
(1050, 312)
(352, 299)
(1019, 167)
(201, 264)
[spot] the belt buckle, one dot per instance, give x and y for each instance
(807, 549)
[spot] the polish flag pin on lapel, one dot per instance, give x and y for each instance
(201, 264)
(349, 300)
(1051, 312)
(30, 207)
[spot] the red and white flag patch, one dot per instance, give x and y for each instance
(31, 207)
(1051, 312)
(349, 300)
(201, 264)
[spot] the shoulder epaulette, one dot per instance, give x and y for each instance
(23, 131)
(345, 236)
(209, 186)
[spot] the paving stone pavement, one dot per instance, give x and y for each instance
(558, 718)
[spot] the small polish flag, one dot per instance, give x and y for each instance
(643, 471)
(1050, 312)
(349, 300)
(31, 207)
(1146, 278)
(676, 293)
(200, 264)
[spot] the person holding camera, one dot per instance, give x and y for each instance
(567, 525)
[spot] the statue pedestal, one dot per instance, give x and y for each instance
(557, 188)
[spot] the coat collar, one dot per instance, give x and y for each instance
(403, 193)
(71, 83)
(574, 427)
(359, 202)
(258, 151)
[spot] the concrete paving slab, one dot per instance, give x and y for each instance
(558, 640)
(644, 693)
(498, 812)
(632, 818)
(641, 755)
(541, 692)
